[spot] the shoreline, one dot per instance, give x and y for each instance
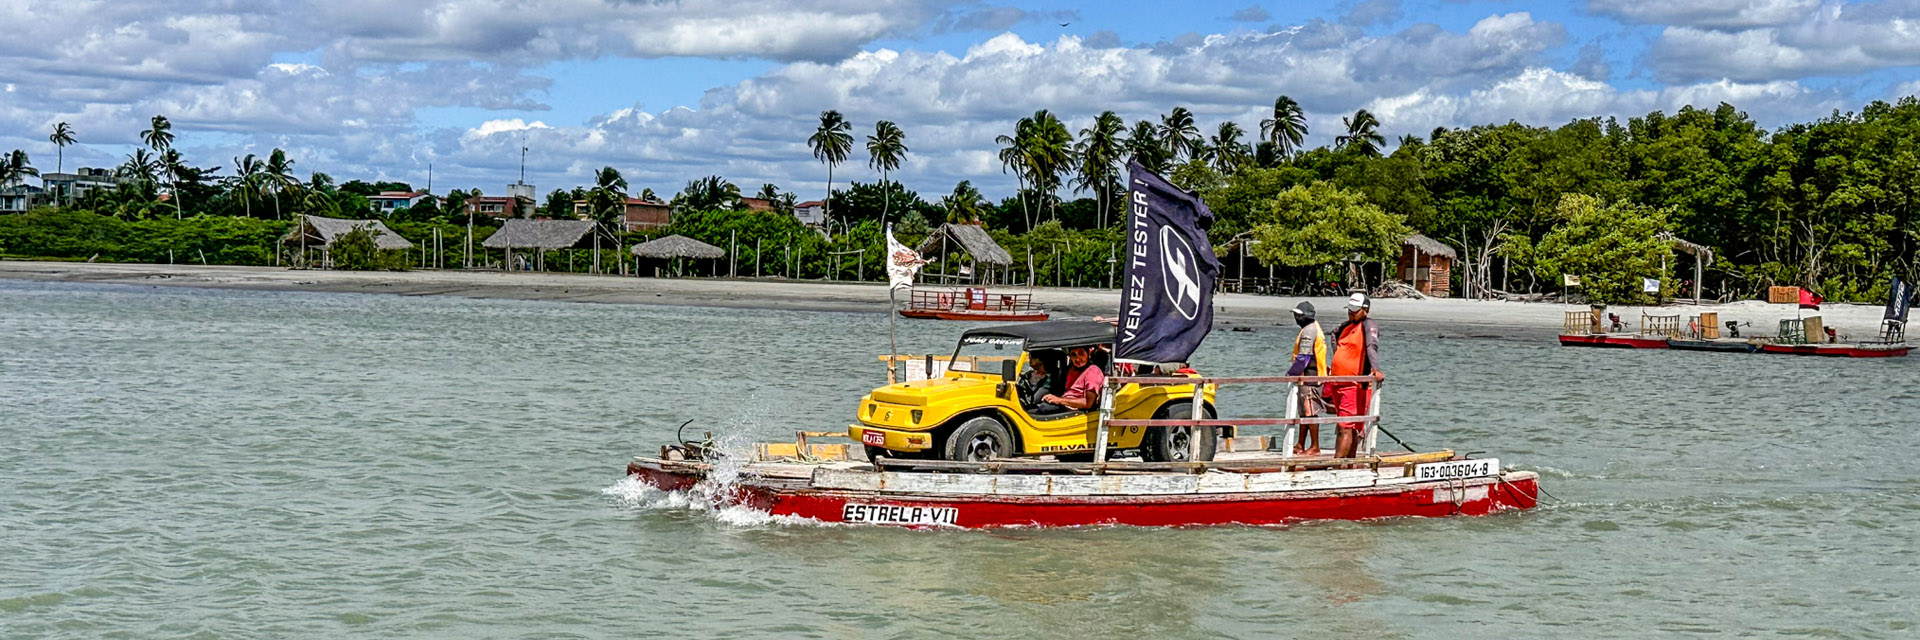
(1507, 319)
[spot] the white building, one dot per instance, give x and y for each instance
(811, 212)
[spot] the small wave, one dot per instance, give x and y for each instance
(705, 498)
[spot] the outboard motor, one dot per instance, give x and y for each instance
(1733, 329)
(1831, 336)
(1614, 319)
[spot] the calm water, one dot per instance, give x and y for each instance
(181, 463)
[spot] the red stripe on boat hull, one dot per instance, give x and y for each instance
(1835, 350)
(985, 317)
(1616, 342)
(1474, 497)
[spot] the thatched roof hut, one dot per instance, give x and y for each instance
(678, 246)
(1429, 246)
(549, 235)
(321, 232)
(970, 237)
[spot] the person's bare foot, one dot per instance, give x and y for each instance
(1308, 452)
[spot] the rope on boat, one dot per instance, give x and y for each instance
(1396, 439)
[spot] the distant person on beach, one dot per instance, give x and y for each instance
(1356, 352)
(1083, 384)
(1309, 358)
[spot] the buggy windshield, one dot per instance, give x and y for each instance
(984, 353)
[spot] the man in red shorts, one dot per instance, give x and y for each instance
(1356, 352)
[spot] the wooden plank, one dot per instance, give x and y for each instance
(848, 479)
(1241, 422)
(1162, 381)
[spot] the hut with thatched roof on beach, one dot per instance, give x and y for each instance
(318, 234)
(1427, 265)
(988, 257)
(537, 237)
(673, 250)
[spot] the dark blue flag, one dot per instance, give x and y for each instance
(1166, 301)
(1898, 297)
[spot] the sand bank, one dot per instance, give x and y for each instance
(1449, 316)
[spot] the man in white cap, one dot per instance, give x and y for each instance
(1356, 352)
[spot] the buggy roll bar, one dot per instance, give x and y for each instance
(1371, 419)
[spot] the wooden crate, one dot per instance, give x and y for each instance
(1709, 325)
(1580, 323)
(1783, 295)
(1653, 325)
(1815, 330)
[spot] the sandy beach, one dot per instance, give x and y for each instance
(1444, 316)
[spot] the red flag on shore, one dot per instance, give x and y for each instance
(1810, 300)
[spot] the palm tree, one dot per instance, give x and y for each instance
(712, 193)
(831, 143)
(277, 174)
(1286, 128)
(172, 165)
(1050, 157)
(140, 165)
(1100, 151)
(159, 136)
(885, 149)
(15, 166)
(1225, 150)
(608, 198)
(1014, 159)
(768, 192)
(245, 183)
(1178, 134)
(61, 137)
(1143, 147)
(964, 204)
(1363, 134)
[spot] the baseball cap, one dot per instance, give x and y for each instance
(1358, 301)
(1305, 309)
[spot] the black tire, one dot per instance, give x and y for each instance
(980, 439)
(875, 453)
(1173, 444)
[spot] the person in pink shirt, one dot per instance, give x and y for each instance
(1083, 385)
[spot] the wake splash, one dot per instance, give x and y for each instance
(713, 497)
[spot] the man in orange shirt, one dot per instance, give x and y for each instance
(1356, 352)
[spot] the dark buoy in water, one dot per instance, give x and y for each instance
(1244, 329)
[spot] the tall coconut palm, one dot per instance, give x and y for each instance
(831, 143)
(159, 137)
(1100, 152)
(174, 168)
(277, 176)
(1050, 155)
(1014, 159)
(1143, 147)
(768, 192)
(1286, 128)
(1363, 134)
(245, 183)
(1178, 133)
(1225, 150)
(61, 137)
(885, 149)
(15, 166)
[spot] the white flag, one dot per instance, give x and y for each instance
(1650, 285)
(902, 263)
(1571, 280)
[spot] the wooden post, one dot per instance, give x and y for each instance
(733, 253)
(756, 257)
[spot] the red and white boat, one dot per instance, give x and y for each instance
(1614, 340)
(1842, 350)
(1254, 488)
(972, 303)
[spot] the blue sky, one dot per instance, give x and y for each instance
(669, 92)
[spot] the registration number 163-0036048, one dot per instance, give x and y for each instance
(899, 514)
(1456, 469)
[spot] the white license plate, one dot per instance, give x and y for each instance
(854, 513)
(1456, 469)
(874, 438)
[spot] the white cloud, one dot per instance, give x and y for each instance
(1543, 96)
(1835, 40)
(1706, 13)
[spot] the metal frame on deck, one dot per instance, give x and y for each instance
(1198, 419)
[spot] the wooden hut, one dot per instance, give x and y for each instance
(988, 256)
(1427, 265)
(536, 237)
(318, 234)
(674, 249)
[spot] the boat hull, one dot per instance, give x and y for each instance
(1472, 497)
(1730, 346)
(927, 314)
(1837, 350)
(1613, 341)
